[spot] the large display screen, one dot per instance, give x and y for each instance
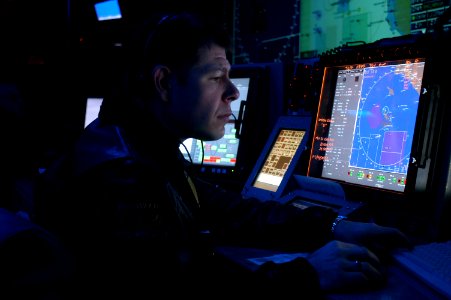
(366, 123)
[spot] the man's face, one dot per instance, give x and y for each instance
(201, 106)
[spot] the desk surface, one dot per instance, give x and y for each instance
(399, 285)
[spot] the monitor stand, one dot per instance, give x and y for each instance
(308, 191)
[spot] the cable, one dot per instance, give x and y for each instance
(189, 155)
(203, 152)
(187, 152)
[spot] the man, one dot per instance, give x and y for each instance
(138, 220)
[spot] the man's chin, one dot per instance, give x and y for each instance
(213, 136)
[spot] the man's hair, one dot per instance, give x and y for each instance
(173, 41)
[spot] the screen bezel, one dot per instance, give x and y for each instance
(284, 122)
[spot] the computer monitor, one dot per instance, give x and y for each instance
(367, 122)
(92, 109)
(255, 113)
(108, 10)
(221, 155)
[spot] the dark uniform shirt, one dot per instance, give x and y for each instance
(122, 200)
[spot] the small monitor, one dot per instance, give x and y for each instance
(366, 124)
(278, 159)
(220, 154)
(92, 109)
(108, 10)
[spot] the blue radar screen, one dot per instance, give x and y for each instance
(386, 117)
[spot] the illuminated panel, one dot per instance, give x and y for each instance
(366, 122)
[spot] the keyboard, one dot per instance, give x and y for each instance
(431, 263)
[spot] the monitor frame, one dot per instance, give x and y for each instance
(397, 186)
(297, 123)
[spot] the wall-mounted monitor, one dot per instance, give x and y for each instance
(108, 10)
(326, 25)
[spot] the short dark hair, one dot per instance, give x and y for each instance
(173, 41)
(176, 40)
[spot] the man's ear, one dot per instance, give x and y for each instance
(161, 75)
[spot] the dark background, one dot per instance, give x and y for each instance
(56, 53)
